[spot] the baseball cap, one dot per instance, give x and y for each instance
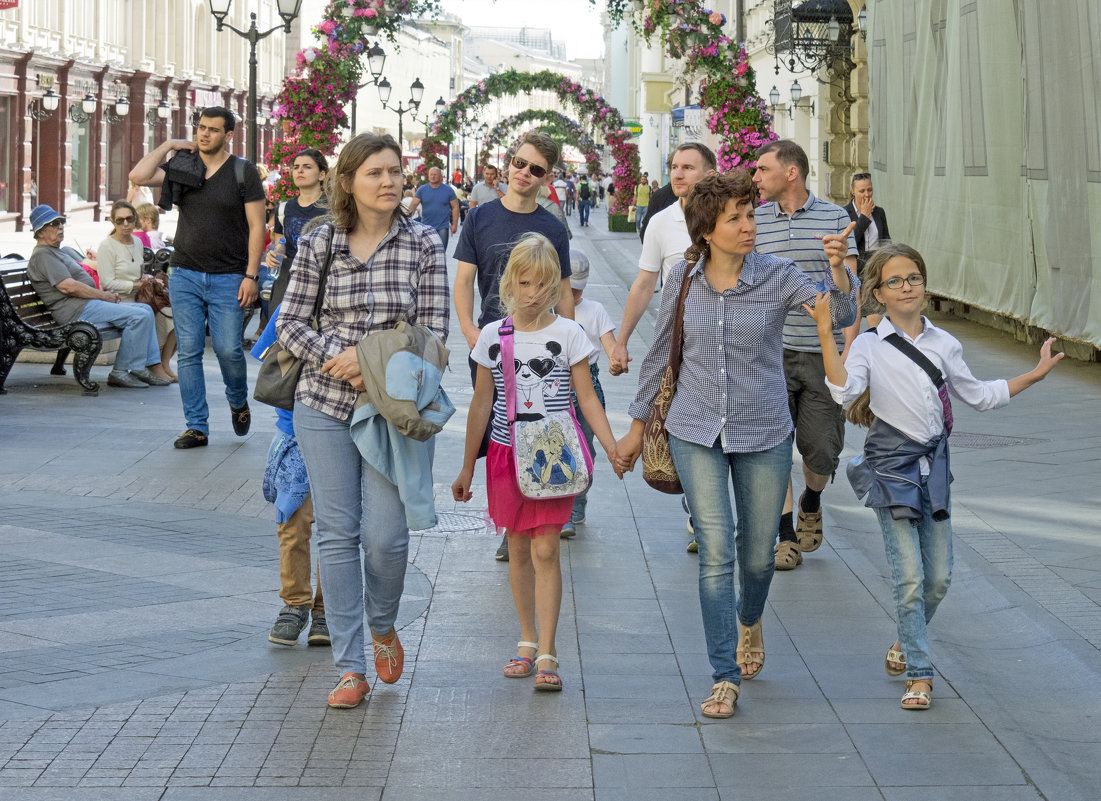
(43, 215)
(579, 264)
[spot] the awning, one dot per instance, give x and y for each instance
(678, 114)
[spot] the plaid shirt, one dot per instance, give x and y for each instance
(405, 279)
(731, 383)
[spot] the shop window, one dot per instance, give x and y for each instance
(7, 201)
(82, 162)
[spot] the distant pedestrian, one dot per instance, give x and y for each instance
(898, 377)
(584, 200)
(439, 205)
(642, 200)
(554, 352)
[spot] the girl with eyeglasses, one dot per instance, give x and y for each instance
(120, 260)
(898, 377)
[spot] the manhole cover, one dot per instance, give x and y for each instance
(961, 439)
(455, 521)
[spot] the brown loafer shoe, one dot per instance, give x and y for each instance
(389, 657)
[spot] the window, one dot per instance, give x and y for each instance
(82, 162)
(7, 201)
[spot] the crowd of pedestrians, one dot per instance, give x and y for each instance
(764, 287)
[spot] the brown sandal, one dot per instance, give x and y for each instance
(788, 556)
(751, 648)
(725, 693)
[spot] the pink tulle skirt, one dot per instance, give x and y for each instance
(511, 510)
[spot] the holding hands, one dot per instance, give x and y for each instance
(617, 363)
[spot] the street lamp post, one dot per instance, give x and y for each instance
(288, 10)
(416, 94)
(479, 135)
(376, 61)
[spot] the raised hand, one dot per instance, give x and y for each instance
(820, 311)
(836, 246)
(1047, 361)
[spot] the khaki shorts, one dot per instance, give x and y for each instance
(819, 421)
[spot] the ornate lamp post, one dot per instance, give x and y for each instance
(288, 11)
(416, 94)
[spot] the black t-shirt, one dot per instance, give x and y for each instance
(290, 228)
(212, 232)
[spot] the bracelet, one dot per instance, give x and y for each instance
(253, 277)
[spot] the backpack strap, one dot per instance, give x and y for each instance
(931, 370)
(239, 170)
(508, 369)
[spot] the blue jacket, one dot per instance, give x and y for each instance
(889, 473)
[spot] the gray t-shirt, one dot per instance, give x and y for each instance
(483, 193)
(48, 267)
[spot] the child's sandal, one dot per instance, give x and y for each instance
(546, 685)
(521, 660)
(924, 699)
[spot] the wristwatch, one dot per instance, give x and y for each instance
(252, 277)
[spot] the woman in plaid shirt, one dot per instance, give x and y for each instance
(729, 419)
(385, 268)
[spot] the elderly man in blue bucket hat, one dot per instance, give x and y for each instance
(71, 295)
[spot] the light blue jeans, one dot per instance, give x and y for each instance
(760, 483)
(362, 539)
(200, 300)
(640, 216)
(138, 348)
(920, 557)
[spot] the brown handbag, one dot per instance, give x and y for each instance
(658, 469)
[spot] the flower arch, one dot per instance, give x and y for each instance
(311, 103)
(589, 106)
(554, 122)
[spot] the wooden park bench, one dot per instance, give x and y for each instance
(25, 322)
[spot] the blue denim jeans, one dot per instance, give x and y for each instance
(583, 207)
(920, 557)
(362, 539)
(445, 235)
(760, 483)
(640, 215)
(138, 348)
(202, 300)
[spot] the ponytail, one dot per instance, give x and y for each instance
(860, 410)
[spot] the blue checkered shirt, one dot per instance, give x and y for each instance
(798, 237)
(731, 382)
(405, 279)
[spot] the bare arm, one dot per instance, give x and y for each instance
(70, 286)
(836, 373)
(853, 331)
(1037, 373)
(147, 172)
(582, 383)
(454, 214)
(463, 294)
(607, 340)
(476, 421)
(639, 297)
(565, 299)
(250, 290)
(413, 203)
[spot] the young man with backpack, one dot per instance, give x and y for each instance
(584, 200)
(213, 275)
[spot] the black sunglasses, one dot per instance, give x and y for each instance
(56, 223)
(123, 220)
(534, 169)
(862, 176)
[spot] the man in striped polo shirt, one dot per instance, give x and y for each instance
(791, 224)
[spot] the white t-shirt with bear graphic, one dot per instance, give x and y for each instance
(542, 375)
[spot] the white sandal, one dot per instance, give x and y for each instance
(522, 660)
(546, 686)
(924, 699)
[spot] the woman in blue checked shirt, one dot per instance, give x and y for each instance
(729, 417)
(385, 268)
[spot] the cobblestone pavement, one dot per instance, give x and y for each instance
(139, 582)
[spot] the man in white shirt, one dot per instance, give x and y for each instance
(489, 189)
(666, 240)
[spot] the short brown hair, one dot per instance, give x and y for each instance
(787, 153)
(351, 158)
(546, 146)
(123, 204)
(706, 202)
(872, 274)
(709, 160)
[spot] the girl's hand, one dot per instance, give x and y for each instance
(837, 246)
(613, 457)
(820, 311)
(628, 449)
(344, 365)
(1047, 361)
(460, 489)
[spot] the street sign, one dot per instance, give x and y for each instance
(634, 126)
(8, 4)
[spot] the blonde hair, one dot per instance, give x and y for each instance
(533, 256)
(147, 211)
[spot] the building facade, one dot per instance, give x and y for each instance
(163, 57)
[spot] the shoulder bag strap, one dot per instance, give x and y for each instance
(323, 276)
(677, 342)
(931, 370)
(508, 369)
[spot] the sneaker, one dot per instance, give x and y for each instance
(150, 379)
(242, 419)
(349, 692)
(122, 379)
(569, 531)
(319, 632)
(502, 550)
(688, 525)
(693, 546)
(289, 624)
(191, 438)
(389, 658)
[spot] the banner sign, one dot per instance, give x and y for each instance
(8, 4)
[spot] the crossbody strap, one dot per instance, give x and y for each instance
(676, 343)
(323, 277)
(508, 369)
(931, 370)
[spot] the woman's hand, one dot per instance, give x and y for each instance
(628, 449)
(344, 366)
(460, 489)
(820, 311)
(837, 246)
(613, 458)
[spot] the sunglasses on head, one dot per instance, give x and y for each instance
(534, 169)
(862, 176)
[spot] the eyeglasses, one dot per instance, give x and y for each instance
(123, 221)
(896, 281)
(534, 169)
(55, 223)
